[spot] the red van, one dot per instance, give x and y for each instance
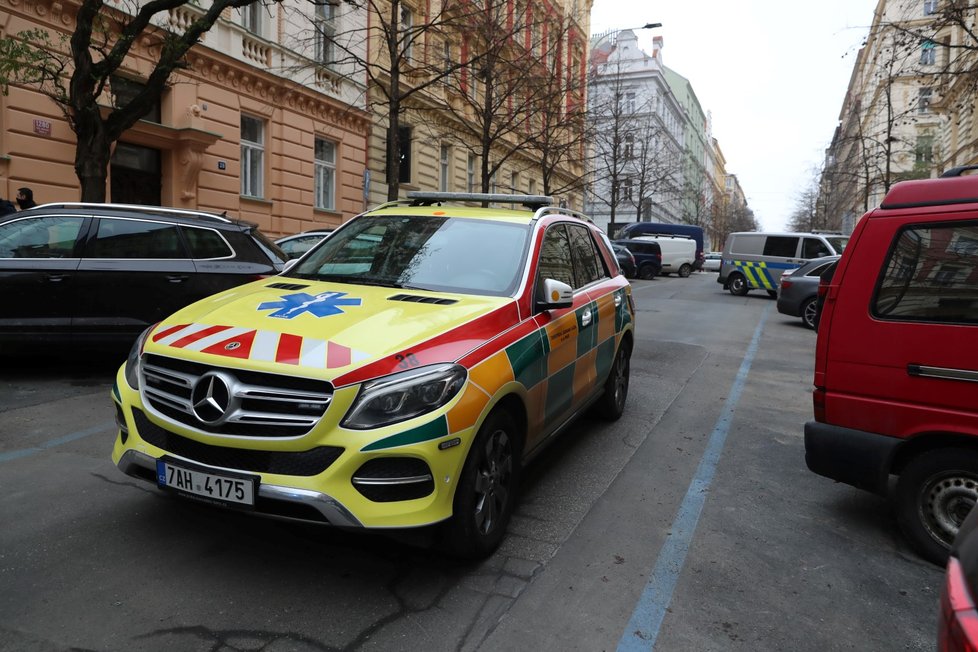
(896, 361)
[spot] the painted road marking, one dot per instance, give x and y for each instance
(642, 630)
(58, 441)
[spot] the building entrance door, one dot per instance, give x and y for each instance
(136, 175)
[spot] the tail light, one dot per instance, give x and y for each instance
(957, 628)
(785, 283)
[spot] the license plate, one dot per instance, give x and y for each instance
(222, 487)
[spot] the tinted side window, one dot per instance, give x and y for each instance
(817, 271)
(587, 266)
(814, 248)
(555, 256)
(40, 237)
(931, 274)
(748, 244)
(779, 245)
(136, 239)
(206, 243)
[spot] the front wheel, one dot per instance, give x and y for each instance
(738, 285)
(646, 272)
(684, 270)
(934, 493)
(486, 492)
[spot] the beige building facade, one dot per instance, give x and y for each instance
(251, 127)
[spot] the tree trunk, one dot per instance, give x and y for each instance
(92, 156)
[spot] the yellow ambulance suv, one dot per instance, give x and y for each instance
(400, 374)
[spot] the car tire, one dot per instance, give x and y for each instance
(934, 493)
(808, 309)
(773, 294)
(684, 270)
(486, 491)
(646, 272)
(737, 285)
(611, 405)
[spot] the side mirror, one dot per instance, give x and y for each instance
(289, 264)
(555, 295)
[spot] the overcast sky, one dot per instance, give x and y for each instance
(773, 74)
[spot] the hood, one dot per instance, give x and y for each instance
(329, 328)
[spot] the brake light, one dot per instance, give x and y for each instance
(957, 628)
(785, 283)
(818, 404)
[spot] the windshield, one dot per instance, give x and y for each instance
(838, 243)
(441, 254)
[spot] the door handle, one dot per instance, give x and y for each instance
(176, 278)
(57, 278)
(586, 318)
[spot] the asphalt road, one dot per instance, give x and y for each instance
(690, 524)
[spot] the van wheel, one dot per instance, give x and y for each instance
(773, 294)
(684, 270)
(611, 405)
(646, 272)
(808, 313)
(934, 493)
(486, 492)
(738, 285)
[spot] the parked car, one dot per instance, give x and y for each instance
(678, 253)
(296, 245)
(625, 260)
(711, 261)
(896, 362)
(399, 375)
(798, 290)
(756, 261)
(638, 229)
(104, 272)
(957, 624)
(648, 257)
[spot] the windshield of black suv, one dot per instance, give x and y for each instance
(442, 254)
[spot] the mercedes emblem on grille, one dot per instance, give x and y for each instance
(212, 399)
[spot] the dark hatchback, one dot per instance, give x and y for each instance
(648, 257)
(625, 260)
(88, 273)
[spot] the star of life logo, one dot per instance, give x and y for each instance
(320, 305)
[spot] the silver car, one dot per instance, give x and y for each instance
(799, 290)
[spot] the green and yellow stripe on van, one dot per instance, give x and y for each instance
(763, 275)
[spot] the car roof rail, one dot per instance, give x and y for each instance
(158, 210)
(958, 171)
(424, 198)
(557, 210)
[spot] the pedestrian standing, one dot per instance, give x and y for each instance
(25, 198)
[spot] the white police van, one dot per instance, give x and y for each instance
(756, 261)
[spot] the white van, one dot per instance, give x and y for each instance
(756, 261)
(678, 253)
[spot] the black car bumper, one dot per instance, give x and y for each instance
(856, 457)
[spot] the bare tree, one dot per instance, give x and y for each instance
(75, 71)
(653, 166)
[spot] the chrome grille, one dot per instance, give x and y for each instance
(247, 403)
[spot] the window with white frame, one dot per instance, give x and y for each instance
(325, 171)
(514, 182)
(532, 190)
(470, 173)
(251, 18)
(404, 31)
(626, 190)
(444, 163)
(325, 26)
(252, 156)
(928, 53)
(930, 7)
(629, 102)
(446, 56)
(924, 99)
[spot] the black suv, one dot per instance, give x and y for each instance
(648, 257)
(104, 272)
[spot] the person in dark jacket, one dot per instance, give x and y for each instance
(25, 198)
(6, 207)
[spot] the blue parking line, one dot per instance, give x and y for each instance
(642, 630)
(58, 441)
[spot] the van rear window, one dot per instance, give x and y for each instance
(930, 275)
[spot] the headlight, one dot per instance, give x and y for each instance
(135, 354)
(404, 396)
